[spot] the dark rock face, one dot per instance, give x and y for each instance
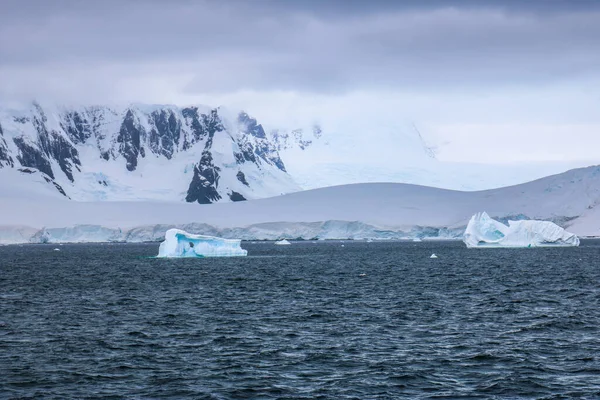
(203, 188)
(59, 149)
(242, 178)
(235, 196)
(202, 126)
(129, 140)
(76, 125)
(204, 185)
(247, 153)
(32, 157)
(51, 145)
(192, 118)
(164, 136)
(212, 125)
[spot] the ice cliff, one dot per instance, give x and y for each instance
(179, 243)
(483, 231)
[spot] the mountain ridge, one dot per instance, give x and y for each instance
(102, 152)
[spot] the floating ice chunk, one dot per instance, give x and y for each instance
(56, 249)
(483, 231)
(284, 241)
(179, 243)
(433, 256)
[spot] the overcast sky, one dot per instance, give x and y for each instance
(484, 80)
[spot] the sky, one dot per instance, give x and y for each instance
(484, 81)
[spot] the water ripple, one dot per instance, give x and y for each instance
(369, 320)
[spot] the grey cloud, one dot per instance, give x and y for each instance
(303, 46)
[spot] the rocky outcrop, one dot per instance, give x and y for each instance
(129, 139)
(203, 188)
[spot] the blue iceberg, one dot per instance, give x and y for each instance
(180, 243)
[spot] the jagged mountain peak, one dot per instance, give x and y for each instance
(194, 153)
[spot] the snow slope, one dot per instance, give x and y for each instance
(349, 149)
(383, 210)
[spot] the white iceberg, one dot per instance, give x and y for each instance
(179, 243)
(282, 242)
(483, 231)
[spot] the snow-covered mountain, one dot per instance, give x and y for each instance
(144, 152)
(383, 210)
(207, 155)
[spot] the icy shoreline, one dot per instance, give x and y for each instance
(326, 230)
(361, 211)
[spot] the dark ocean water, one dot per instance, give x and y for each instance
(300, 321)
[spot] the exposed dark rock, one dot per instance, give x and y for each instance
(235, 196)
(212, 125)
(203, 188)
(239, 158)
(32, 157)
(242, 178)
(164, 136)
(54, 146)
(76, 126)
(60, 149)
(129, 139)
(26, 171)
(192, 118)
(247, 153)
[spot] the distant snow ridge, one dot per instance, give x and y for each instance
(483, 231)
(143, 152)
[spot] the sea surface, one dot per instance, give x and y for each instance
(327, 320)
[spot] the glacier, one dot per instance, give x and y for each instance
(179, 243)
(483, 231)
